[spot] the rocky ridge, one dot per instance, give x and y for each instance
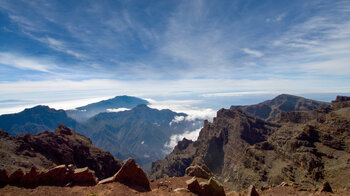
(271, 110)
(304, 147)
(49, 149)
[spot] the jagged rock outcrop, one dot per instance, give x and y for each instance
(48, 149)
(131, 175)
(271, 110)
(305, 147)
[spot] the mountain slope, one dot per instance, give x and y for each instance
(306, 147)
(85, 112)
(49, 149)
(271, 110)
(37, 119)
(140, 133)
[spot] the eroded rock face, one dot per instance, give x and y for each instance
(241, 150)
(47, 149)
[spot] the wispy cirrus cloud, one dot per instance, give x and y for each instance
(254, 53)
(26, 63)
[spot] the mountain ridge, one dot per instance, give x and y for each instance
(271, 110)
(305, 147)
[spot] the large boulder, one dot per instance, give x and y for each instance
(193, 185)
(131, 175)
(84, 176)
(57, 176)
(198, 171)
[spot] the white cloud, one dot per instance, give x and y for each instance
(184, 106)
(254, 53)
(177, 119)
(234, 94)
(117, 109)
(174, 139)
(25, 63)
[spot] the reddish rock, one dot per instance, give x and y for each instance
(4, 178)
(84, 176)
(252, 191)
(32, 178)
(16, 176)
(326, 187)
(133, 176)
(198, 171)
(57, 176)
(193, 185)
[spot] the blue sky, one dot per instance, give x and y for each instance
(227, 52)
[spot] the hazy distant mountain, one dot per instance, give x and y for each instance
(35, 120)
(140, 133)
(85, 112)
(271, 110)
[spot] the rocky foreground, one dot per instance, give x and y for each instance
(164, 186)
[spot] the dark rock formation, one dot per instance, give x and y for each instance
(326, 187)
(47, 149)
(193, 185)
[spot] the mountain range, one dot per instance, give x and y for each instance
(303, 148)
(83, 113)
(140, 132)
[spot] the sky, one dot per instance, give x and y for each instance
(210, 54)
